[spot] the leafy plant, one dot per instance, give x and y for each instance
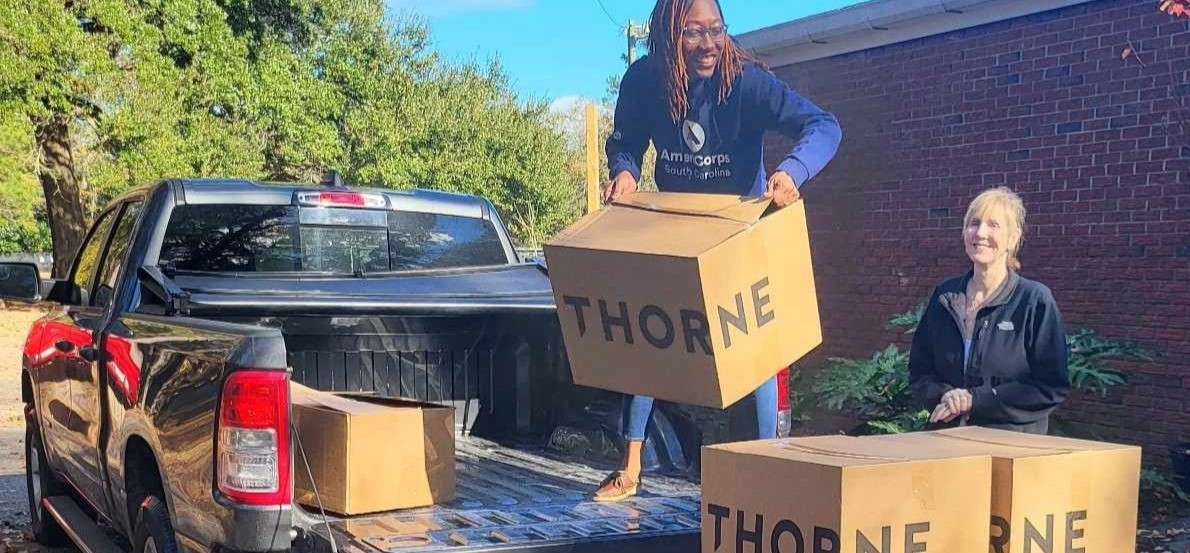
(21, 237)
(1088, 352)
(799, 396)
(877, 391)
(904, 423)
(874, 389)
(1157, 484)
(908, 319)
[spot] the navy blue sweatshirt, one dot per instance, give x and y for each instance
(717, 148)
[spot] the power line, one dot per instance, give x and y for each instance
(608, 14)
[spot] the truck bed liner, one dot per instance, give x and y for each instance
(527, 499)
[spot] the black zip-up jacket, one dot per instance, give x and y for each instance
(1016, 370)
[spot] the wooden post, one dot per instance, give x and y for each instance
(592, 125)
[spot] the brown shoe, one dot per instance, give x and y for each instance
(618, 486)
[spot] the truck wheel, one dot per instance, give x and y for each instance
(154, 533)
(41, 483)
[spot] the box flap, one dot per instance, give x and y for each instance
(747, 210)
(658, 223)
(621, 229)
(301, 395)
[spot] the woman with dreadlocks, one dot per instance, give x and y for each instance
(705, 105)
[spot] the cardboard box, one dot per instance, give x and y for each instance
(841, 494)
(371, 454)
(693, 298)
(1051, 493)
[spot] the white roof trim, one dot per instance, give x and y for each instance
(879, 23)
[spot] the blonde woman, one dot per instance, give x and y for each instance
(991, 349)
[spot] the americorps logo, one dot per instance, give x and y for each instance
(694, 159)
(694, 135)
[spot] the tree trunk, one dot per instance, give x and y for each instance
(64, 207)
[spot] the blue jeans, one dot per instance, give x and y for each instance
(640, 408)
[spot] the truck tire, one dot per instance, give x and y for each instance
(41, 483)
(154, 533)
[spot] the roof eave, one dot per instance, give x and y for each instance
(881, 22)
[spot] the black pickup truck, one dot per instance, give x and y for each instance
(157, 389)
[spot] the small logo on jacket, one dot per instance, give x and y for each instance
(1006, 325)
(694, 136)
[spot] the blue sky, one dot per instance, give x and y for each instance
(557, 48)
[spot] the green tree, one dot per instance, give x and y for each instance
(461, 129)
(21, 230)
(50, 63)
(108, 94)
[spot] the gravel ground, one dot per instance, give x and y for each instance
(14, 508)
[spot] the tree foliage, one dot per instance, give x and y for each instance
(21, 230)
(267, 89)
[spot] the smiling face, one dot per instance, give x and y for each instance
(689, 42)
(991, 235)
(703, 36)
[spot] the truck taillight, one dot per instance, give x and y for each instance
(784, 412)
(253, 447)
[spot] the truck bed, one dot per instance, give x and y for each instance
(527, 499)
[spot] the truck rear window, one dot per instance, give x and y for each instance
(251, 238)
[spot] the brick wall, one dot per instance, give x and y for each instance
(1043, 104)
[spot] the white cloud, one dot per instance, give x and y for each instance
(567, 104)
(567, 114)
(443, 8)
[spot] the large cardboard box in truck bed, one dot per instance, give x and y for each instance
(1051, 493)
(843, 494)
(693, 298)
(369, 454)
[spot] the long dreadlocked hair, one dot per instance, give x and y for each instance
(665, 47)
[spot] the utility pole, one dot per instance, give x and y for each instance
(592, 136)
(635, 33)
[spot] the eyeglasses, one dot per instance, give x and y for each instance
(693, 35)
